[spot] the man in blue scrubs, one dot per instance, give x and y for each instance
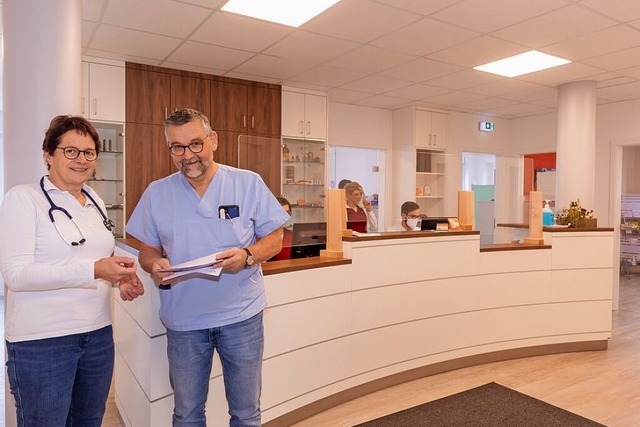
(203, 209)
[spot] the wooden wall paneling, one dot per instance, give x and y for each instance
(265, 104)
(147, 95)
(229, 106)
(227, 152)
(191, 92)
(262, 155)
(148, 159)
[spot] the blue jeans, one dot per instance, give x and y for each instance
(62, 381)
(240, 348)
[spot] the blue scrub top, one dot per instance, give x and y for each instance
(171, 215)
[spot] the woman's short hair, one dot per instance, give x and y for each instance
(408, 206)
(284, 202)
(63, 124)
(352, 186)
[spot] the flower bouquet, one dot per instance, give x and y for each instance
(575, 216)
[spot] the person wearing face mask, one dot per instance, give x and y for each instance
(285, 253)
(360, 216)
(410, 214)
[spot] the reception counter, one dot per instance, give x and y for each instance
(398, 307)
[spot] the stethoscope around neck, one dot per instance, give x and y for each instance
(108, 224)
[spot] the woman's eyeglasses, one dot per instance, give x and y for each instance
(179, 149)
(72, 153)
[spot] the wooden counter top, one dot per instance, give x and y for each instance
(406, 235)
(272, 267)
(498, 247)
(556, 229)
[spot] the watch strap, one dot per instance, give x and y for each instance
(249, 261)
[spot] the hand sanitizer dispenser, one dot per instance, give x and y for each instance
(547, 214)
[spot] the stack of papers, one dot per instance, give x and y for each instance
(204, 265)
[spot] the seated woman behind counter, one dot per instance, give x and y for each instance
(360, 216)
(285, 252)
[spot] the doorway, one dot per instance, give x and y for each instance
(478, 175)
(365, 166)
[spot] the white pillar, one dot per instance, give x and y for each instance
(42, 78)
(575, 161)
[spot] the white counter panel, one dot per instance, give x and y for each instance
(512, 261)
(517, 323)
(393, 344)
(513, 289)
(377, 263)
(297, 373)
(144, 310)
(581, 250)
(405, 302)
(292, 326)
(300, 285)
(572, 285)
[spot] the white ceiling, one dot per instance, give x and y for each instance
(387, 53)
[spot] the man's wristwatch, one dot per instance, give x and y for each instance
(249, 261)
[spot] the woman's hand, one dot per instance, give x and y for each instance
(114, 268)
(130, 288)
(367, 204)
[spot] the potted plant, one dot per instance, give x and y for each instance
(575, 216)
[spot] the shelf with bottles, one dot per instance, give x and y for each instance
(108, 179)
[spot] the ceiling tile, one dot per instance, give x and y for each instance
(310, 47)
(454, 98)
(346, 96)
(622, 10)
(327, 76)
(155, 16)
(417, 91)
(561, 24)
(465, 79)
(369, 59)
(376, 84)
(92, 9)
(210, 4)
(562, 74)
(533, 94)
(597, 43)
(617, 60)
(131, 42)
(622, 91)
(424, 37)
(240, 32)
(273, 67)
(487, 104)
(478, 51)
(195, 68)
(420, 70)
(217, 57)
(121, 57)
(382, 101)
(88, 28)
(489, 15)
(252, 77)
(359, 20)
(501, 87)
(420, 6)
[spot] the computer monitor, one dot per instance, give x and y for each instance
(308, 239)
(431, 223)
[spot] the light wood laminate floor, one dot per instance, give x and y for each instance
(601, 385)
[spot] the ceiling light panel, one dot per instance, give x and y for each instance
(286, 12)
(524, 63)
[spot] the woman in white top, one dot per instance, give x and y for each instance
(56, 261)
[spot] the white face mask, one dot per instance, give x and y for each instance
(412, 223)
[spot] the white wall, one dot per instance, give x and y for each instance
(615, 123)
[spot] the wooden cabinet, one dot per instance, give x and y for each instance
(249, 108)
(190, 92)
(430, 181)
(103, 92)
(304, 115)
(148, 96)
(235, 108)
(147, 159)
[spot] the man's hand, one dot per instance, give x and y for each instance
(234, 260)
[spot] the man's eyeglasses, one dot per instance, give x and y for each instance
(72, 153)
(179, 149)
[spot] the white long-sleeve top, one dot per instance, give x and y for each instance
(50, 286)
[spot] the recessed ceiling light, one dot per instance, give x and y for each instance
(293, 13)
(523, 63)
